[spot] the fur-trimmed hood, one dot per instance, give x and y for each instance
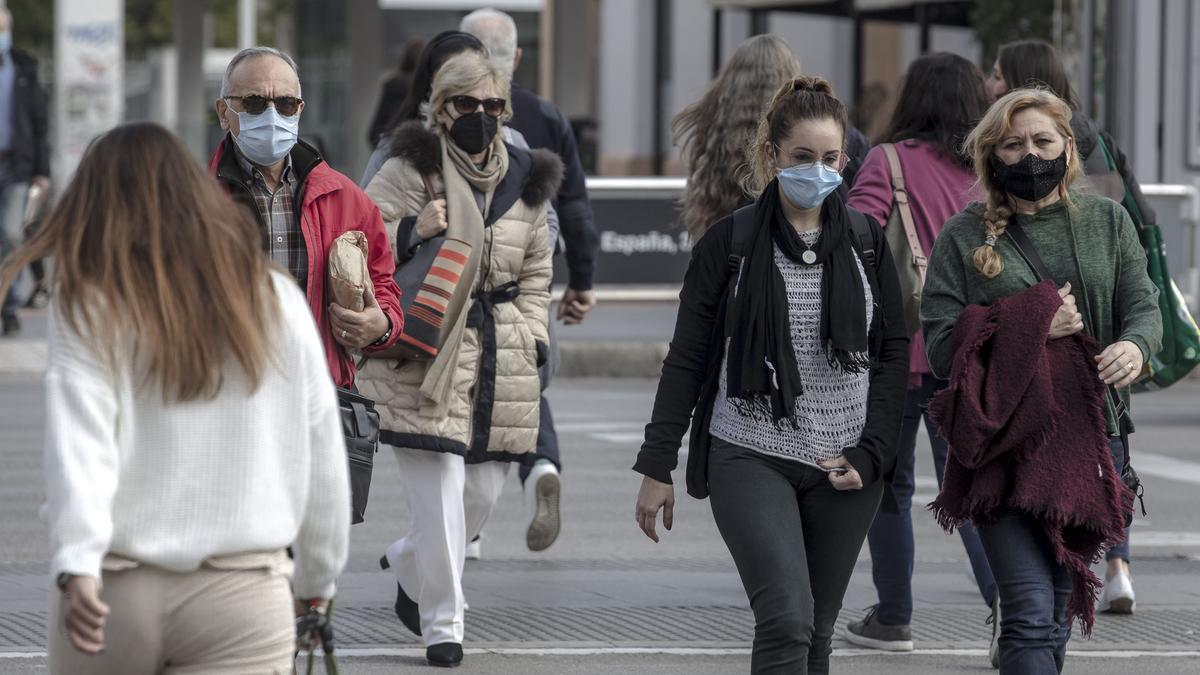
(542, 170)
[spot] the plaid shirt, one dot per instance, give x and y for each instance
(282, 237)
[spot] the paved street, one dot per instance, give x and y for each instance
(604, 599)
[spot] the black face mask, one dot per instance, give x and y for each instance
(1032, 178)
(474, 132)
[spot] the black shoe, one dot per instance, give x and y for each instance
(11, 325)
(406, 609)
(444, 655)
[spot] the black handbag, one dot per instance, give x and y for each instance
(360, 427)
(1128, 476)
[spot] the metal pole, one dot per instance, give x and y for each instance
(716, 41)
(662, 42)
(247, 23)
(922, 11)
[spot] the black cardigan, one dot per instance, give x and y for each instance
(689, 375)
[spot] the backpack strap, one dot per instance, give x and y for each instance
(743, 226)
(866, 238)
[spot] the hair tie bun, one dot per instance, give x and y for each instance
(990, 240)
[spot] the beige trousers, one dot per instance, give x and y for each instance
(234, 615)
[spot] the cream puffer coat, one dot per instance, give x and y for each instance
(488, 418)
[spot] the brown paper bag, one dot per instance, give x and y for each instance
(348, 275)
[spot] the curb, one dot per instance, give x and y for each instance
(613, 359)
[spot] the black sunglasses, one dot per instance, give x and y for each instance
(255, 105)
(465, 105)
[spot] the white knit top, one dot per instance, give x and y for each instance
(831, 412)
(171, 485)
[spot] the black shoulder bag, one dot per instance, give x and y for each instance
(1129, 477)
(360, 428)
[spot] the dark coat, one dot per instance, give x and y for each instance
(544, 126)
(30, 121)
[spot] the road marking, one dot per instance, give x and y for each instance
(598, 426)
(1162, 466)
(419, 652)
(22, 356)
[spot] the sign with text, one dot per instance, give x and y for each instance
(89, 97)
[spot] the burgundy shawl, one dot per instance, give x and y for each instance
(1024, 418)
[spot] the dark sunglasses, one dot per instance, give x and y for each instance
(256, 105)
(465, 105)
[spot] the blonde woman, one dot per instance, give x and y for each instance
(714, 132)
(1026, 160)
(790, 366)
(464, 415)
(192, 431)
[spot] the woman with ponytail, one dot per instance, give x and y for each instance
(789, 362)
(1026, 162)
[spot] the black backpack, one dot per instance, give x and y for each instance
(743, 225)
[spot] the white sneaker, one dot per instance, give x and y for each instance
(543, 490)
(1118, 595)
(475, 548)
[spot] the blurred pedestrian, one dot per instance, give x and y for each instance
(301, 204)
(715, 133)
(1037, 63)
(940, 101)
(24, 150)
(1034, 470)
(789, 361)
(188, 442)
(543, 125)
(395, 89)
(455, 421)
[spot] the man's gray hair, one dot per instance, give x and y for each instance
(253, 53)
(497, 31)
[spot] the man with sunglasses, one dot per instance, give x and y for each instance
(301, 204)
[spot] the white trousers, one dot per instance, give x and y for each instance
(449, 502)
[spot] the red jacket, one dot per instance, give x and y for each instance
(330, 205)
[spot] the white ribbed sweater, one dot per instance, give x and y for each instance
(170, 485)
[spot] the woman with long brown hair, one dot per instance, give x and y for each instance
(192, 431)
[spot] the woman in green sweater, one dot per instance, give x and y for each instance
(1026, 161)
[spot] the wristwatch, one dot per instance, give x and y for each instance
(62, 580)
(386, 334)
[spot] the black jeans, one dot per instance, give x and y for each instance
(795, 541)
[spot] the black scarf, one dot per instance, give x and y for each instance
(762, 364)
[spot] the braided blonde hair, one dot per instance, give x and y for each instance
(981, 144)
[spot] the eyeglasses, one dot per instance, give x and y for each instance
(256, 105)
(465, 105)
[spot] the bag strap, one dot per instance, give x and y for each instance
(900, 197)
(866, 240)
(743, 226)
(1128, 202)
(1029, 253)
(429, 191)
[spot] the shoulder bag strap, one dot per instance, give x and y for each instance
(900, 196)
(1025, 247)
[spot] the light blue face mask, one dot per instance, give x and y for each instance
(267, 137)
(807, 185)
(5, 42)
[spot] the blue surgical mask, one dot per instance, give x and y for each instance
(5, 42)
(267, 137)
(807, 185)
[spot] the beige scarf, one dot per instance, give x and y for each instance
(464, 223)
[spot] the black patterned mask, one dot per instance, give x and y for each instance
(1032, 178)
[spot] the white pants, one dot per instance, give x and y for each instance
(449, 502)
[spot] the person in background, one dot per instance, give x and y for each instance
(24, 150)
(1037, 63)
(789, 362)
(395, 90)
(301, 204)
(1026, 161)
(456, 421)
(188, 443)
(941, 99)
(544, 126)
(713, 134)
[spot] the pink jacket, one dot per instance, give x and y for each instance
(938, 188)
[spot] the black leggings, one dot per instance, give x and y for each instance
(795, 541)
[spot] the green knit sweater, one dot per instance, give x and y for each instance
(1092, 244)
